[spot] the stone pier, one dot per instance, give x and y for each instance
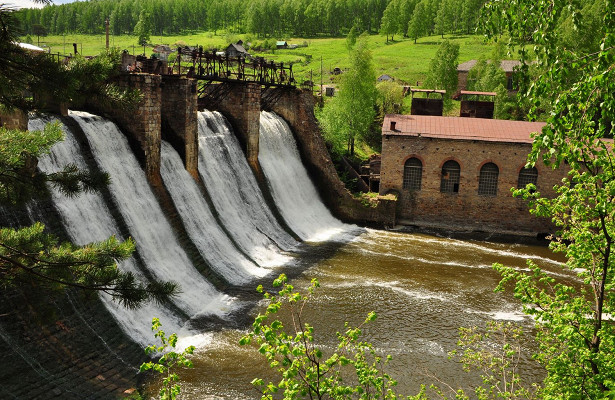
(241, 105)
(15, 119)
(142, 125)
(179, 119)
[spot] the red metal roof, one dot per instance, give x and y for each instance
(490, 130)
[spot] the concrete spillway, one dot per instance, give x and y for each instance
(293, 191)
(211, 240)
(148, 225)
(236, 233)
(236, 195)
(86, 218)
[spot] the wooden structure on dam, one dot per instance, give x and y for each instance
(210, 66)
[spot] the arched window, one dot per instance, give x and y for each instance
(488, 180)
(450, 177)
(526, 176)
(413, 172)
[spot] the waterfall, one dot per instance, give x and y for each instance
(154, 237)
(212, 242)
(293, 191)
(236, 195)
(87, 219)
(257, 239)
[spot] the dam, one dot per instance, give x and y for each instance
(218, 218)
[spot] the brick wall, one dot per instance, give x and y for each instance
(465, 209)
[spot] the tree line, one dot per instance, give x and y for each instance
(272, 18)
(265, 18)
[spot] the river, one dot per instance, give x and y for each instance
(423, 289)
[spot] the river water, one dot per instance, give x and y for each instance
(423, 289)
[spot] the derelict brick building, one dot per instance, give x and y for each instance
(456, 173)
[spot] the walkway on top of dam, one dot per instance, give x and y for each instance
(214, 67)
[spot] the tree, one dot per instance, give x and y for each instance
(30, 255)
(443, 70)
(168, 362)
(389, 25)
(305, 371)
(351, 113)
(391, 98)
(445, 17)
(143, 28)
(351, 38)
(421, 21)
(39, 30)
(574, 332)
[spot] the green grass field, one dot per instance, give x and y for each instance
(403, 59)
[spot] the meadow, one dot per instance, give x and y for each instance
(402, 59)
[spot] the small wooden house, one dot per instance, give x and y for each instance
(236, 50)
(385, 78)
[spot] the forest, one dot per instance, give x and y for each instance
(265, 18)
(287, 18)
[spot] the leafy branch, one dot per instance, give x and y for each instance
(353, 371)
(168, 363)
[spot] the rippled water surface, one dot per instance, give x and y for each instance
(423, 289)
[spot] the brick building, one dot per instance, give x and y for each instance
(456, 173)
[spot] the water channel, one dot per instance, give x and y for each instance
(423, 289)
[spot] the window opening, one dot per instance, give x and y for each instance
(413, 173)
(527, 176)
(488, 180)
(450, 177)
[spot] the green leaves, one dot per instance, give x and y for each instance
(443, 70)
(577, 83)
(168, 362)
(350, 114)
(305, 370)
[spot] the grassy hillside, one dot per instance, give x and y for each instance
(402, 59)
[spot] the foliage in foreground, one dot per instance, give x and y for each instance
(443, 71)
(353, 371)
(495, 352)
(168, 363)
(576, 334)
(31, 256)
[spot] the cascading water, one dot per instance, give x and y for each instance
(153, 234)
(212, 242)
(293, 191)
(87, 219)
(236, 195)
